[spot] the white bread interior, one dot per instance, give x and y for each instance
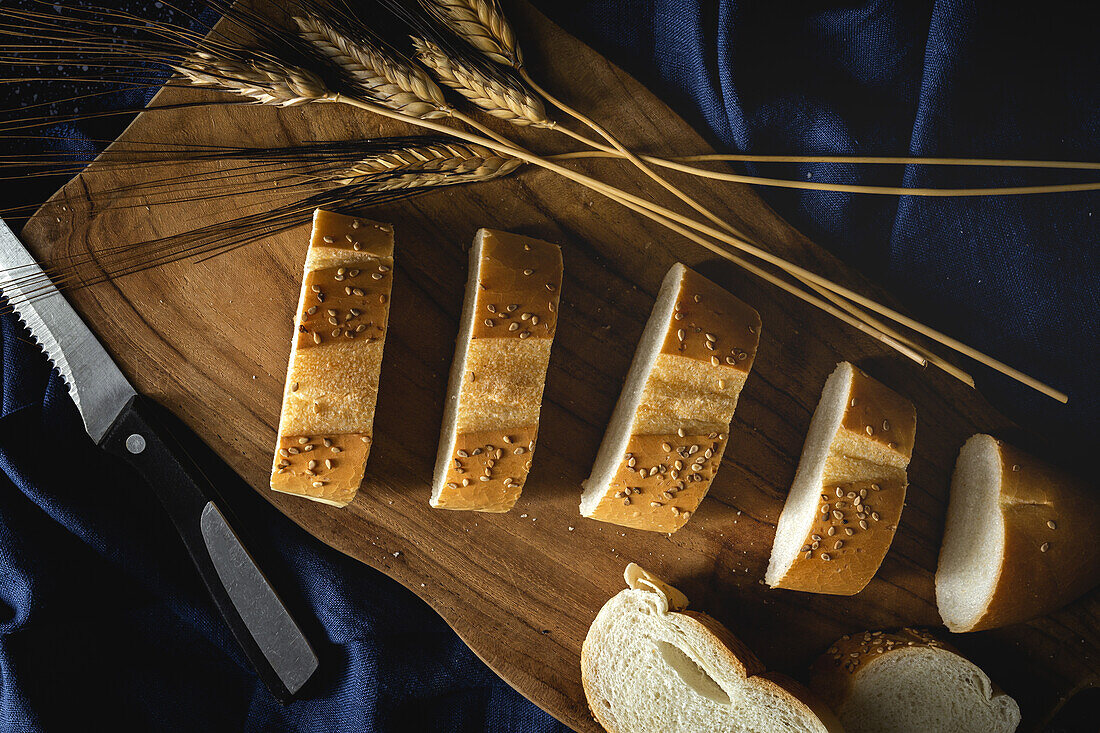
(800, 510)
(621, 426)
(924, 689)
(646, 668)
(449, 433)
(974, 537)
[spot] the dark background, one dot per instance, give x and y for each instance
(100, 615)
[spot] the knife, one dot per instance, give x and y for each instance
(126, 424)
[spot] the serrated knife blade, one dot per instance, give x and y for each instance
(98, 388)
(128, 425)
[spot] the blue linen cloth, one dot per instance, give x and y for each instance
(102, 619)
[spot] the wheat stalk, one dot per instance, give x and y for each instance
(380, 75)
(499, 96)
(416, 166)
(266, 81)
(483, 25)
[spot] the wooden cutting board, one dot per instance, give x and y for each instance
(210, 341)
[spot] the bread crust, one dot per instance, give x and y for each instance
(1051, 556)
(680, 428)
(498, 391)
(862, 493)
(326, 423)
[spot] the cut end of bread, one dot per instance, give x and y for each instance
(974, 537)
(848, 492)
(620, 429)
(645, 668)
(669, 429)
(800, 510)
(886, 683)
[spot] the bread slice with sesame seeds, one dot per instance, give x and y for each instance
(848, 492)
(327, 421)
(909, 682)
(649, 665)
(494, 396)
(1019, 540)
(669, 429)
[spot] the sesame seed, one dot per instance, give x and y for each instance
(711, 337)
(680, 334)
(328, 463)
(376, 276)
(626, 501)
(885, 425)
(839, 515)
(863, 524)
(452, 485)
(680, 432)
(1051, 524)
(655, 504)
(283, 452)
(308, 448)
(686, 515)
(832, 530)
(490, 322)
(854, 402)
(311, 310)
(838, 545)
(709, 345)
(513, 307)
(486, 477)
(525, 334)
(462, 454)
(337, 449)
(311, 465)
(849, 531)
(721, 384)
(870, 430)
(731, 360)
(1016, 467)
(875, 487)
(315, 288)
(875, 516)
(327, 442)
(826, 557)
(839, 492)
(528, 271)
(327, 239)
(355, 224)
(1044, 547)
(318, 484)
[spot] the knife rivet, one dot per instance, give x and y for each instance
(135, 443)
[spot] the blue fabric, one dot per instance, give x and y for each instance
(101, 616)
(1015, 277)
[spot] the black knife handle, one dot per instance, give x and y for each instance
(272, 641)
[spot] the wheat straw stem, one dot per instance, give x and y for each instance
(897, 341)
(673, 164)
(887, 160)
(669, 218)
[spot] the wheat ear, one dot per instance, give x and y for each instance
(498, 96)
(483, 25)
(379, 75)
(438, 164)
(267, 82)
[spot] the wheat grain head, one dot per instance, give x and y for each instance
(266, 81)
(500, 96)
(376, 73)
(483, 25)
(434, 164)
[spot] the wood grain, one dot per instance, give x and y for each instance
(210, 341)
